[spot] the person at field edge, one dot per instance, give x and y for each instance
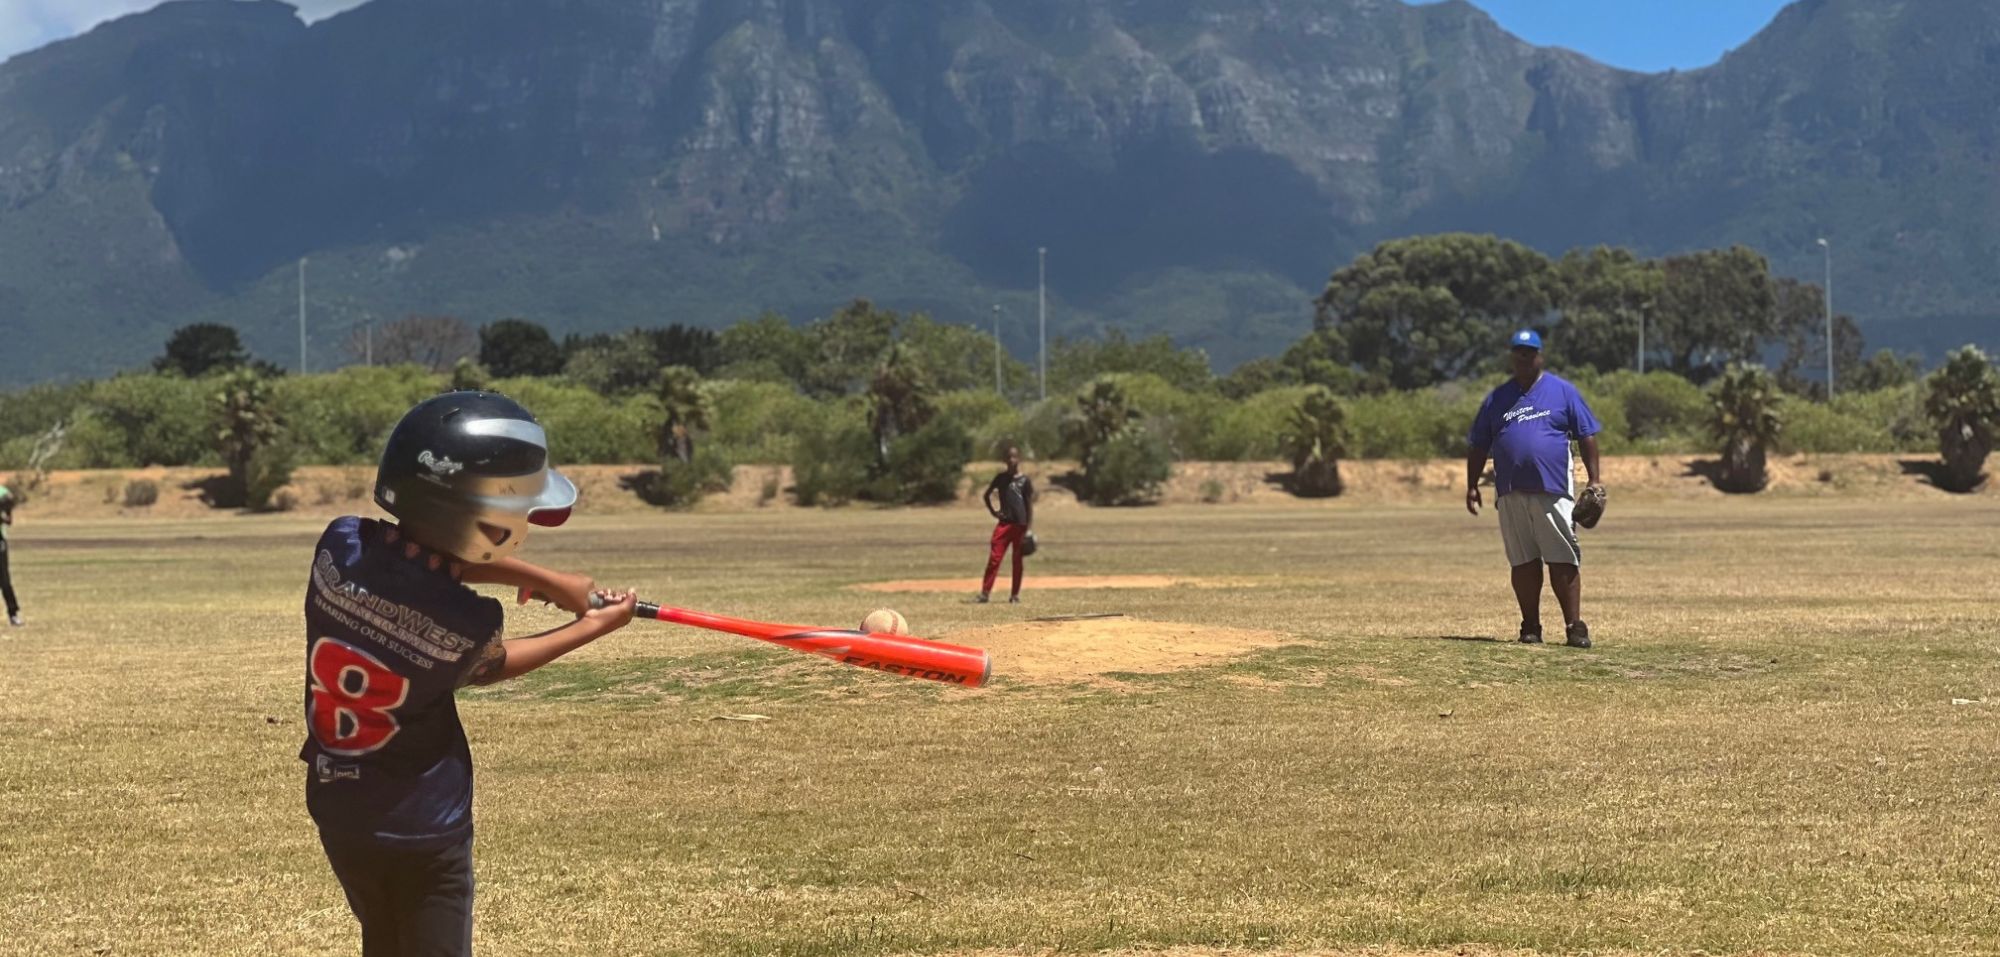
(6, 575)
(1016, 518)
(1526, 425)
(393, 632)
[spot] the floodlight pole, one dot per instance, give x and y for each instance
(998, 388)
(302, 315)
(1042, 300)
(1827, 248)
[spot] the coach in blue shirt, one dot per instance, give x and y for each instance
(1526, 426)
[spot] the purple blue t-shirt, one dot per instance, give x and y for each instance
(1528, 432)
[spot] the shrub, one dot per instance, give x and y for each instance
(270, 469)
(1315, 439)
(584, 427)
(140, 493)
(1211, 491)
(1745, 420)
(758, 422)
(680, 484)
(1248, 431)
(831, 464)
(925, 466)
(1411, 425)
(156, 419)
(344, 417)
(1662, 406)
(1126, 469)
(1964, 404)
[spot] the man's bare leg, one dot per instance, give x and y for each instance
(1528, 591)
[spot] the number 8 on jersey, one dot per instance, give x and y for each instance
(354, 697)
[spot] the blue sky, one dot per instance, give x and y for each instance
(1649, 35)
(1635, 34)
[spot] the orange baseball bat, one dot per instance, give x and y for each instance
(890, 654)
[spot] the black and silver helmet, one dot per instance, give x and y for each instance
(468, 472)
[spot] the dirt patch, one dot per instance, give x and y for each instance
(1049, 583)
(1047, 652)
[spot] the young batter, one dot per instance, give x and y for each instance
(392, 631)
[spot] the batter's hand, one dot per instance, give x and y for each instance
(1472, 499)
(614, 611)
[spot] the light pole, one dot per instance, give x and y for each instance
(1642, 340)
(302, 315)
(998, 388)
(1827, 248)
(1042, 299)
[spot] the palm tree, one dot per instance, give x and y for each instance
(684, 407)
(1964, 404)
(898, 398)
(1745, 418)
(1315, 438)
(1102, 412)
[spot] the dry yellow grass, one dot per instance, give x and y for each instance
(1762, 756)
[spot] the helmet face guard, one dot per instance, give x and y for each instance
(467, 473)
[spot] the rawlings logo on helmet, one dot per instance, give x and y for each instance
(439, 466)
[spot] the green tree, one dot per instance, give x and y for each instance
(1963, 403)
(768, 348)
(517, 347)
(1800, 324)
(959, 358)
(1073, 363)
(247, 432)
(1716, 306)
(1315, 439)
(197, 349)
(468, 375)
(616, 365)
(684, 408)
(1604, 295)
(846, 347)
(1746, 419)
(1426, 309)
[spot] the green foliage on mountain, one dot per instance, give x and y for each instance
(1197, 168)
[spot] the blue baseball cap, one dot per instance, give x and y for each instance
(1526, 337)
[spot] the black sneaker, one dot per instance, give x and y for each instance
(1578, 635)
(1531, 634)
(981, 598)
(1013, 599)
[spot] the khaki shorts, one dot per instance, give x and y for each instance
(1536, 526)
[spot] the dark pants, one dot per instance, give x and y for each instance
(1005, 535)
(409, 903)
(7, 583)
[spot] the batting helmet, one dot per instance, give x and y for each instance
(468, 472)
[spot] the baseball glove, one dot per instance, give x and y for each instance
(1028, 545)
(1590, 506)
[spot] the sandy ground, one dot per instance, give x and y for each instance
(1047, 582)
(333, 490)
(1058, 652)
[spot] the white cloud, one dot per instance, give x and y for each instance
(27, 24)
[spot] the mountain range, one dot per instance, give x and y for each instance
(1193, 167)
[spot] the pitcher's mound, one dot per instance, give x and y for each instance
(1045, 582)
(1059, 651)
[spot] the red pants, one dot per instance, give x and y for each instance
(1004, 536)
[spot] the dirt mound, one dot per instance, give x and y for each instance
(1047, 652)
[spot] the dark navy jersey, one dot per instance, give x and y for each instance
(389, 635)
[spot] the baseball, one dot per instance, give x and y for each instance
(886, 621)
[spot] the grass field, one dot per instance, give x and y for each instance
(1762, 755)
